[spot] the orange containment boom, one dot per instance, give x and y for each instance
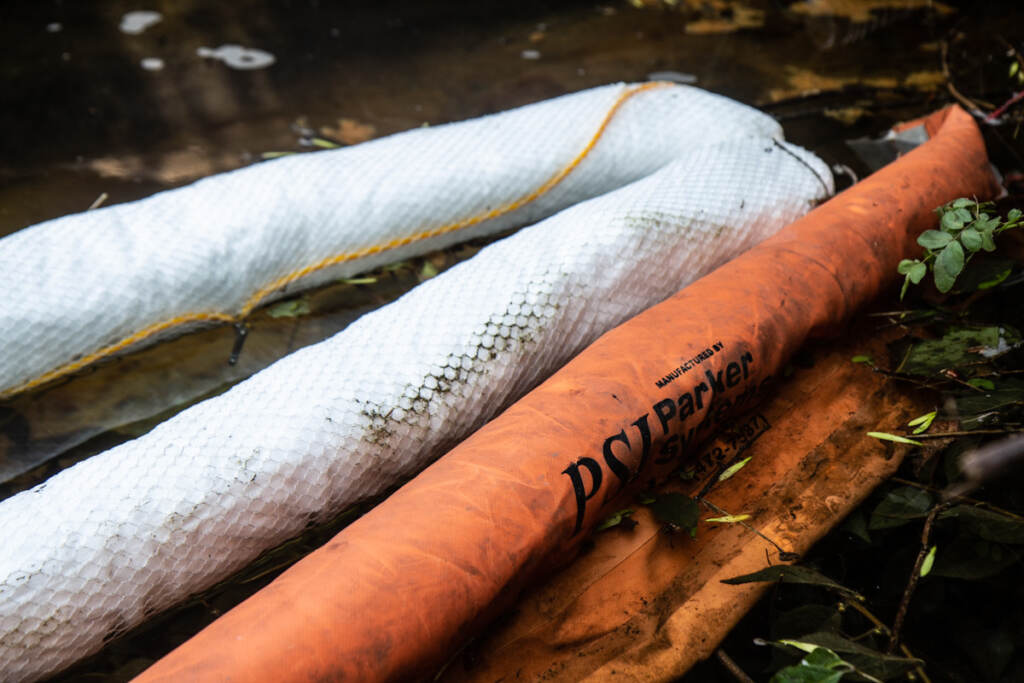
(396, 592)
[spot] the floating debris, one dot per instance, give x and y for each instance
(673, 77)
(350, 131)
(54, 27)
(152, 63)
(530, 54)
(863, 11)
(98, 201)
(846, 115)
(739, 18)
(803, 81)
(134, 23)
(238, 57)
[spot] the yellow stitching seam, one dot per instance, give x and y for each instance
(255, 299)
(111, 349)
(451, 227)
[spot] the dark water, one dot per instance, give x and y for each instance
(82, 118)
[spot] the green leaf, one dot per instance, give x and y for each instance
(895, 438)
(857, 524)
(971, 239)
(868, 662)
(368, 280)
(900, 506)
(862, 359)
(923, 422)
(292, 308)
(970, 558)
(678, 510)
(805, 673)
(948, 265)
(905, 265)
(428, 271)
(987, 243)
(820, 665)
(986, 224)
(1014, 67)
(809, 618)
(950, 223)
(733, 469)
(914, 269)
(324, 144)
(806, 647)
(614, 520)
(728, 519)
(982, 383)
(929, 560)
(1013, 215)
(986, 524)
(1007, 396)
(794, 574)
(933, 239)
(984, 273)
(961, 203)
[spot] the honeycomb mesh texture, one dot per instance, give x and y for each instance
(132, 531)
(82, 287)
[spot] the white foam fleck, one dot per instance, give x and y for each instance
(134, 23)
(238, 57)
(1001, 347)
(152, 63)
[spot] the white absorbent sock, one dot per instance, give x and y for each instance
(83, 287)
(134, 530)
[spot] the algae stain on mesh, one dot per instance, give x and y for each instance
(129, 395)
(507, 338)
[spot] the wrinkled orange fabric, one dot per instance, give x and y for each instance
(646, 604)
(397, 591)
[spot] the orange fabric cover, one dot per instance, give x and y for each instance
(393, 594)
(647, 604)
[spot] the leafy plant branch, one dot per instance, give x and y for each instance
(965, 228)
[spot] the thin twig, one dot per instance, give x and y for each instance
(963, 99)
(867, 614)
(784, 555)
(1017, 97)
(915, 575)
(883, 629)
(946, 435)
(733, 668)
(98, 201)
(957, 498)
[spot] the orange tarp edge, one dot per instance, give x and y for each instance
(397, 591)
